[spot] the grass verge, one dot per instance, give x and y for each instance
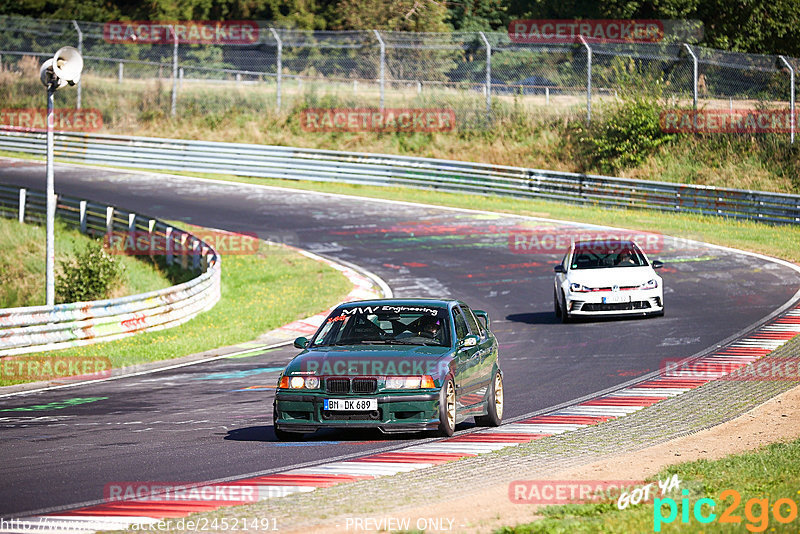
(260, 292)
(22, 264)
(765, 475)
(624, 138)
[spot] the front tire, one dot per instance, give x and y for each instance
(556, 305)
(565, 318)
(447, 409)
(282, 435)
(494, 407)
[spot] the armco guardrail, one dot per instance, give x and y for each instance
(40, 328)
(385, 170)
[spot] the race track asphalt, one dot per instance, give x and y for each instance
(213, 421)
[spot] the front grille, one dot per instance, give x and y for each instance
(622, 306)
(365, 385)
(337, 385)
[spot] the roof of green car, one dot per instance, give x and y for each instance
(401, 302)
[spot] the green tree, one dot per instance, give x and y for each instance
(478, 15)
(392, 15)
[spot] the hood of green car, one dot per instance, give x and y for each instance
(372, 360)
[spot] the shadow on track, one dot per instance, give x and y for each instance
(266, 433)
(549, 317)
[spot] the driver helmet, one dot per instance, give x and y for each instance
(431, 325)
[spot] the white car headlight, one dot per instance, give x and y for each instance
(578, 288)
(650, 284)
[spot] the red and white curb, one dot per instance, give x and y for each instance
(123, 514)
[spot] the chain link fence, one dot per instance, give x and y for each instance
(479, 75)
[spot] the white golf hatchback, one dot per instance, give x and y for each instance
(607, 278)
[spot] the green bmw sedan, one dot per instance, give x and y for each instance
(399, 365)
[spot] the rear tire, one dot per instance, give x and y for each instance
(447, 409)
(494, 408)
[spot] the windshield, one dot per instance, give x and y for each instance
(385, 325)
(603, 257)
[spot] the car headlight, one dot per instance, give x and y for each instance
(298, 382)
(650, 284)
(578, 288)
(409, 382)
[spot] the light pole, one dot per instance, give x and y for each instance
(64, 68)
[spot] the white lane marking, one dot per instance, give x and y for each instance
(466, 447)
(615, 411)
(354, 468)
(649, 392)
(759, 343)
(553, 428)
(272, 492)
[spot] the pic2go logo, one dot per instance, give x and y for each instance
(756, 511)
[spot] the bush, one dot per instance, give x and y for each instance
(91, 275)
(629, 134)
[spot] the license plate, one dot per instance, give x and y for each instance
(616, 299)
(351, 405)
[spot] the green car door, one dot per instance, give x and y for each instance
(469, 379)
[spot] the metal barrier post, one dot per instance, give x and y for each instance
(168, 245)
(120, 71)
(279, 66)
(195, 254)
(80, 49)
(174, 72)
(383, 63)
(83, 216)
(694, 80)
(22, 195)
(109, 220)
(488, 75)
(151, 224)
(791, 101)
(184, 251)
(588, 79)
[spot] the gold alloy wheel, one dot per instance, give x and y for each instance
(451, 405)
(498, 395)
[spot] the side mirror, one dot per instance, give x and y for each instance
(301, 342)
(469, 341)
(480, 314)
(559, 268)
(657, 264)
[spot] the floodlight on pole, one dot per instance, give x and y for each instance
(63, 69)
